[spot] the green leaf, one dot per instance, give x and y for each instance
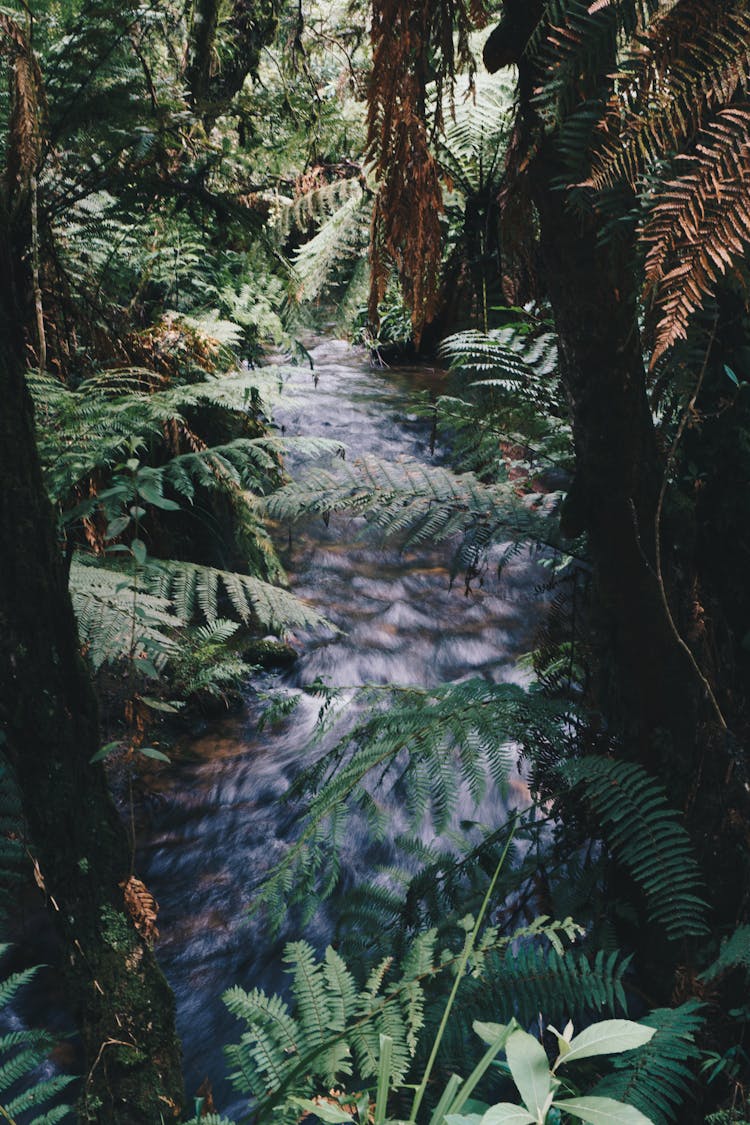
(103, 752)
(609, 1037)
(147, 667)
(324, 1110)
(603, 1111)
(151, 752)
(138, 547)
(116, 527)
(505, 1113)
(170, 707)
(489, 1033)
(462, 1119)
(529, 1067)
(731, 375)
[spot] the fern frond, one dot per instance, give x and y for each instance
(414, 503)
(195, 591)
(421, 743)
(109, 627)
(734, 954)
(699, 224)
(644, 834)
(657, 1078)
(24, 1088)
(691, 60)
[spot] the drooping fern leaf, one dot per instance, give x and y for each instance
(25, 1089)
(645, 835)
(422, 744)
(416, 503)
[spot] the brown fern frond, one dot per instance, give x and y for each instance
(691, 61)
(413, 42)
(699, 225)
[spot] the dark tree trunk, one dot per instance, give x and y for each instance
(654, 697)
(49, 731)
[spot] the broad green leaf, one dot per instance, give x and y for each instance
(116, 527)
(608, 1037)
(505, 1113)
(603, 1111)
(463, 1119)
(489, 1033)
(172, 707)
(529, 1067)
(105, 750)
(324, 1110)
(151, 752)
(138, 547)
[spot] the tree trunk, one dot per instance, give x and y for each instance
(49, 731)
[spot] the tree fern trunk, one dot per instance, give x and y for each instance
(49, 730)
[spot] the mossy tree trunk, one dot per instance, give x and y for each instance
(49, 731)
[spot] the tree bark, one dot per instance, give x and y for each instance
(49, 731)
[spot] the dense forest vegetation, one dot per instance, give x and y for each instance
(551, 200)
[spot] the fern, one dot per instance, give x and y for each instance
(734, 954)
(415, 503)
(646, 837)
(120, 614)
(334, 1033)
(24, 1088)
(423, 744)
(196, 591)
(658, 1078)
(118, 620)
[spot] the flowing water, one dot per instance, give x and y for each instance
(215, 821)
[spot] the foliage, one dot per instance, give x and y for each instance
(645, 835)
(25, 1088)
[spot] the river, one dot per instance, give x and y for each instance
(215, 821)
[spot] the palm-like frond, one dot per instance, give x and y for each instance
(415, 503)
(424, 744)
(646, 836)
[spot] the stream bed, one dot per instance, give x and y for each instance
(216, 821)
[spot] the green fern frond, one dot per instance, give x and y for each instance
(450, 734)
(645, 835)
(415, 503)
(111, 626)
(24, 1089)
(335, 1029)
(734, 954)
(657, 1078)
(340, 241)
(196, 591)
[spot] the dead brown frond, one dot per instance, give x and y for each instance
(413, 43)
(699, 225)
(141, 906)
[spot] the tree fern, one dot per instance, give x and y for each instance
(416, 503)
(25, 1090)
(645, 835)
(196, 591)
